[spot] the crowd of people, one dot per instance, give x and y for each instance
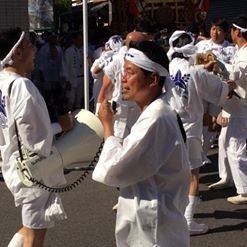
(171, 103)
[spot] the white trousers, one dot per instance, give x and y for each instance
(236, 150)
(224, 167)
(75, 94)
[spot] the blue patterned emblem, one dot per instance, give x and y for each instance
(3, 115)
(179, 80)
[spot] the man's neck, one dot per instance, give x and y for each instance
(241, 43)
(16, 71)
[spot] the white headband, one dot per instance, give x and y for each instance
(8, 59)
(141, 60)
(242, 30)
(187, 50)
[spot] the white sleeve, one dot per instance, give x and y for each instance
(30, 112)
(238, 73)
(142, 154)
(210, 87)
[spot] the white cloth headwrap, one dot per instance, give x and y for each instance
(242, 30)
(115, 42)
(187, 50)
(8, 59)
(142, 61)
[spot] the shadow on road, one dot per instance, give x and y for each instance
(1, 177)
(219, 214)
(228, 228)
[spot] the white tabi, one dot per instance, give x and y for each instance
(194, 85)
(28, 108)
(236, 135)
(127, 112)
(152, 170)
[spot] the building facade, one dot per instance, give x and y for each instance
(14, 13)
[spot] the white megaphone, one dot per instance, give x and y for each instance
(78, 146)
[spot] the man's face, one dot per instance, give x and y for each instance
(217, 34)
(28, 55)
(234, 34)
(78, 40)
(135, 84)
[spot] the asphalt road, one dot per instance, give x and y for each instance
(91, 221)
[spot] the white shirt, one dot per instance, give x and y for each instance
(237, 107)
(73, 65)
(51, 67)
(151, 168)
(223, 52)
(193, 85)
(27, 107)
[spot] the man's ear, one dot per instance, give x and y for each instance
(17, 53)
(154, 79)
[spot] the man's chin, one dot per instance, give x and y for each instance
(124, 97)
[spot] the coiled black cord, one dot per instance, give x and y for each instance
(74, 184)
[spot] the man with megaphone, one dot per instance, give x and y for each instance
(25, 123)
(150, 165)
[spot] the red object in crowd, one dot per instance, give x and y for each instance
(135, 7)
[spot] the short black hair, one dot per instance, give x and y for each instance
(241, 21)
(154, 52)
(220, 22)
(144, 26)
(8, 39)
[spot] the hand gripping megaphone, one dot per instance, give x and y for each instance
(78, 146)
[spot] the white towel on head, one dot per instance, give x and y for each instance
(138, 58)
(187, 50)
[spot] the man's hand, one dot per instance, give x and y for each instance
(209, 66)
(66, 121)
(106, 116)
(231, 85)
(222, 121)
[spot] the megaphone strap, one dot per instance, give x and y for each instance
(74, 184)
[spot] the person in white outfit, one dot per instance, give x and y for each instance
(23, 111)
(127, 112)
(225, 174)
(224, 51)
(50, 67)
(73, 73)
(112, 46)
(236, 107)
(150, 165)
(193, 85)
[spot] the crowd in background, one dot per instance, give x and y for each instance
(204, 72)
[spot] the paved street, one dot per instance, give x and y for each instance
(91, 221)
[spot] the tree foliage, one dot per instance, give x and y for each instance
(60, 6)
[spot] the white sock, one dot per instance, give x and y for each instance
(191, 207)
(17, 240)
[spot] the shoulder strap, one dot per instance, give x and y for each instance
(10, 88)
(16, 129)
(180, 124)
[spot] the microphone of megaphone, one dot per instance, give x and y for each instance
(78, 146)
